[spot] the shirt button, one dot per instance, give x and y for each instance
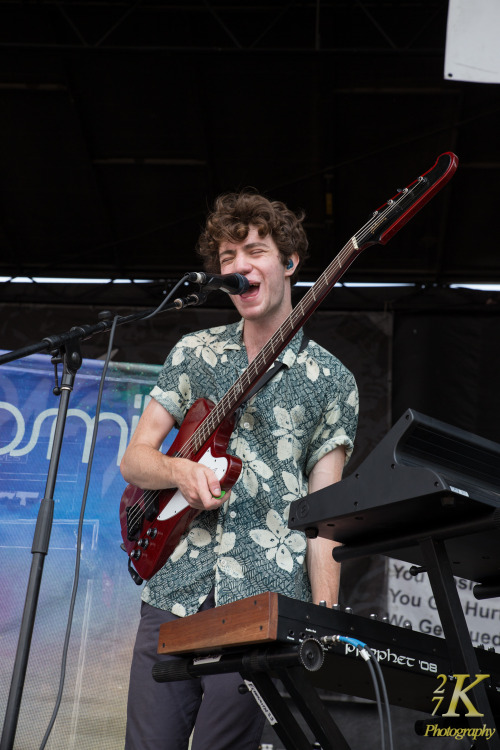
(246, 425)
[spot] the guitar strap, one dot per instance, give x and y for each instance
(270, 373)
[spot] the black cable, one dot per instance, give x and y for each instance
(379, 701)
(384, 695)
(164, 302)
(368, 655)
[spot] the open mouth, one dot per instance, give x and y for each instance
(254, 288)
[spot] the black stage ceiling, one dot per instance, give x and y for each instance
(122, 120)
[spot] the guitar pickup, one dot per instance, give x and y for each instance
(135, 518)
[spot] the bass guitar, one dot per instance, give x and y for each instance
(153, 521)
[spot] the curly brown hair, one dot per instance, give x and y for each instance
(230, 220)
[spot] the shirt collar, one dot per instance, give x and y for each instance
(287, 356)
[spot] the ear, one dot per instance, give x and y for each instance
(291, 264)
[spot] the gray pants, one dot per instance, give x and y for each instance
(161, 716)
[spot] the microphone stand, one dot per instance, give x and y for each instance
(64, 348)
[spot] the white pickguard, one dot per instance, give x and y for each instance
(177, 501)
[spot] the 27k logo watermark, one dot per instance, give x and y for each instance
(459, 696)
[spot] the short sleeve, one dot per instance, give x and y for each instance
(338, 418)
(173, 387)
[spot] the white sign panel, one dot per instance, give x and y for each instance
(410, 598)
(472, 48)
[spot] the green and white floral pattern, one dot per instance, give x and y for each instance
(308, 409)
(280, 542)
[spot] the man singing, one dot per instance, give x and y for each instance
(293, 437)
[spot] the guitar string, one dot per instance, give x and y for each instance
(220, 410)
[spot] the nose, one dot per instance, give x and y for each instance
(241, 264)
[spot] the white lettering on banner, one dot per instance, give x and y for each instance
(23, 498)
(20, 426)
(46, 414)
(13, 449)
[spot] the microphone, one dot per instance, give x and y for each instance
(231, 283)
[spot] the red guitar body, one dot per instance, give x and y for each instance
(148, 539)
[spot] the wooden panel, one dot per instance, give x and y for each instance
(251, 620)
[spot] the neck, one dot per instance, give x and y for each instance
(256, 333)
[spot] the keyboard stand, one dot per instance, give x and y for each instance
(257, 666)
(309, 704)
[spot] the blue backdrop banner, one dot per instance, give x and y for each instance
(107, 609)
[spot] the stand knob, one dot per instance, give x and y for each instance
(311, 654)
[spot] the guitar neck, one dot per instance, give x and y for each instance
(383, 224)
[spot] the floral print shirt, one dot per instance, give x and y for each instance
(306, 410)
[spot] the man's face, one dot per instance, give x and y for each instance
(260, 261)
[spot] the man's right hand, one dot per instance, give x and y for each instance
(197, 483)
(145, 466)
